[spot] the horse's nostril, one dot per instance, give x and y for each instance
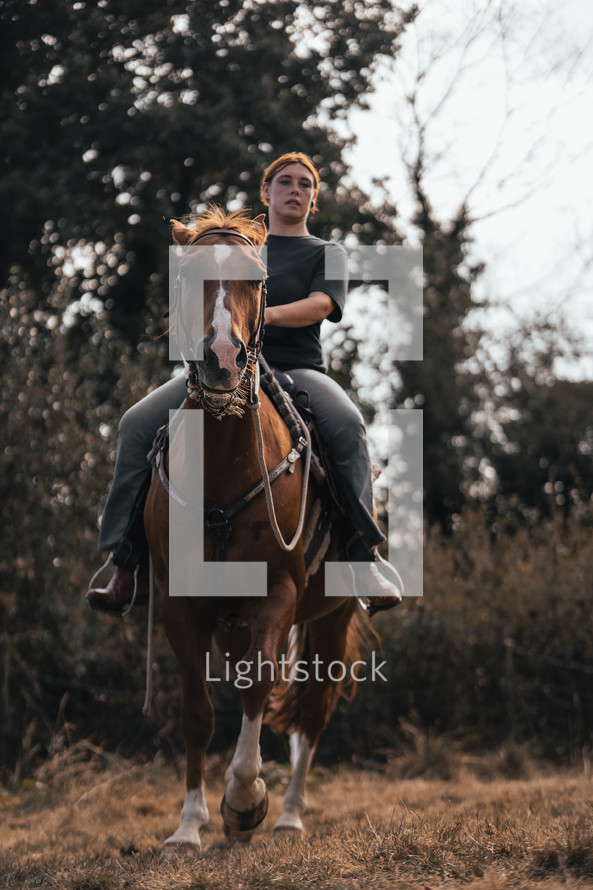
(242, 357)
(209, 362)
(213, 374)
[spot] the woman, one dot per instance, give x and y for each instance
(299, 299)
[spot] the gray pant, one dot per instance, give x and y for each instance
(340, 426)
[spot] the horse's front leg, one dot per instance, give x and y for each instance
(245, 802)
(197, 724)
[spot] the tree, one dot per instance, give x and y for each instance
(117, 117)
(446, 384)
(467, 79)
(544, 442)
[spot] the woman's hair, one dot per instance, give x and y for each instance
(291, 157)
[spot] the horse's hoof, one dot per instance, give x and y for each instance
(239, 826)
(183, 848)
(289, 829)
(235, 837)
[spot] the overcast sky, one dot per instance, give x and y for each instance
(508, 96)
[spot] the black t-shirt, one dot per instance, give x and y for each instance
(296, 266)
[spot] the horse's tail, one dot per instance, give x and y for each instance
(285, 701)
(284, 707)
(362, 636)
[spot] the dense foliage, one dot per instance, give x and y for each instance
(118, 119)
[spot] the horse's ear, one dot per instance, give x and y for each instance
(181, 234)
(259, 226)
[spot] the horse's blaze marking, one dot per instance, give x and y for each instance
(221, 253)
(223, 345)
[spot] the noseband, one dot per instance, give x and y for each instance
(246, 391)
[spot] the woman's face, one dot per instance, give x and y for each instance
(291, 192)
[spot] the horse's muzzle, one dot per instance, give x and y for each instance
(221, 371)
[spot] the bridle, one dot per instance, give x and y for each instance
(247, 389)
(247, 393)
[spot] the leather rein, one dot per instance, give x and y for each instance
(218, 518)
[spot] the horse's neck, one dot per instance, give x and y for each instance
(230, 436)
(230, 457)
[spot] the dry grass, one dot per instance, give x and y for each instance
(94, 822)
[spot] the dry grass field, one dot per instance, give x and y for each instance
(90, 821)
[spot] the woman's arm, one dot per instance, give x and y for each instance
(312, 309)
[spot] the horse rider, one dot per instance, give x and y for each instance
(299, 298)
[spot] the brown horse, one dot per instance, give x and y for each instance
(249, 630)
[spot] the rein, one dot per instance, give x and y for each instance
(268, 489)
(246, 393)
(218, 518)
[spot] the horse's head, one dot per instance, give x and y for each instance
(221, 337)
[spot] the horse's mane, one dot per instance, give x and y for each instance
(216, 217)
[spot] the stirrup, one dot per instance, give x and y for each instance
(369, 608)
(107, 563)
(128, 606)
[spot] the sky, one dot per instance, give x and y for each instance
(506, 94)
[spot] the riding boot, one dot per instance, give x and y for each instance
(130, 581)
(117, 595)
(380, 593)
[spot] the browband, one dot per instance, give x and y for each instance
(222, 232)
